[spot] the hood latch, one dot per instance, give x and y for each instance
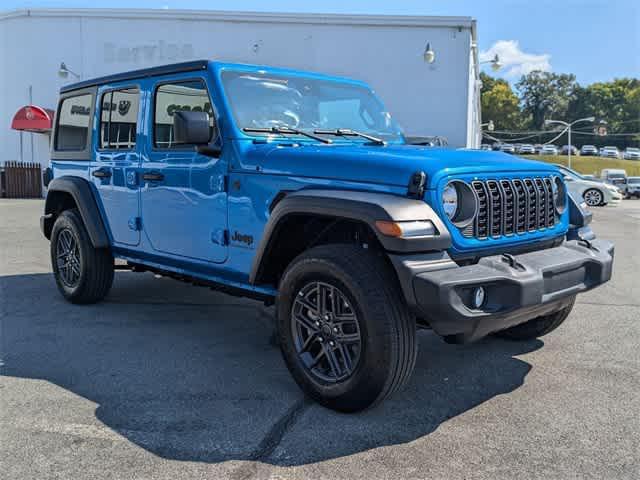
(416, 185)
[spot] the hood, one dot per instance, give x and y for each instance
(388, 165)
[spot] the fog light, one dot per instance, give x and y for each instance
(478, 297)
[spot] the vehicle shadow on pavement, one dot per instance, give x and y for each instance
(191, 375)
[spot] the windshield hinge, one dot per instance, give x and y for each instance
(416, 185)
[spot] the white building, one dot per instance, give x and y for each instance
(428, 99)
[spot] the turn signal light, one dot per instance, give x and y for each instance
(418, 228)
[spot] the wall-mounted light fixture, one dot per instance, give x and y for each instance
(429, 55)
(495, 63)
(63, 71)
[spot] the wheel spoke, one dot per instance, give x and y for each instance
(317, 358)
(333, 361)
(306, 322)
(322, 299)
(307, 343)
(348, 338)
(308, 305)
(346, 357)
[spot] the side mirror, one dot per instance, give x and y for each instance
(191, 128)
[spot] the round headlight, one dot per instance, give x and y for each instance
(450, 200)
(559, 195)
(459, 203)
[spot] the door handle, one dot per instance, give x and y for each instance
(153, 176)
(101, 173)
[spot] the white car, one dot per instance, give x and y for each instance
(610, 152)
(632, 153)
(595, 194)
(549, 150)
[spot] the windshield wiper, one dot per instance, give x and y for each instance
(347, 132)
(285, 131)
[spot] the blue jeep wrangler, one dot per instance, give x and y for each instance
(299, 189)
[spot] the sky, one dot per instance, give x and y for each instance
(596, 40)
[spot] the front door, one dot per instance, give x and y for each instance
(114, 172)
(183, 194)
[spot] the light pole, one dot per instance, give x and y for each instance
(568, 126)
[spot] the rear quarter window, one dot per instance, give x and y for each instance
(73, 121)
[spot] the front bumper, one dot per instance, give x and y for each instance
(518, 288)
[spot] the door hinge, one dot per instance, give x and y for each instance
(135, 223)
(223, 183)
(220, 237)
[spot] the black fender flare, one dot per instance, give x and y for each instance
(82, 194)
(367, 207)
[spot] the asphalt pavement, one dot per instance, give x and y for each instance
(167, 381)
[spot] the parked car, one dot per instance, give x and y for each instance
(549, 150)
(595, 194)
(485, 146)
(298, 189)
(507, 148)
(610, 152)
(526, 149)
(615, 176)
(632, 153)
(565, 150)
(538, 147)
(633, 187)
(589, 150)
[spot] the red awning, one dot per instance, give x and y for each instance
(32, 118)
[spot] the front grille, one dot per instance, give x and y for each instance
(508, 207)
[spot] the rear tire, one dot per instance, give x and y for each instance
(356, 284)
(83, 274)
(539, 326)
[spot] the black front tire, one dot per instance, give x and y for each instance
(388, 347)
(93, 267)
(539, 326)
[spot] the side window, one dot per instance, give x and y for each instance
(73, 123)
(174, 97)
(118, 119)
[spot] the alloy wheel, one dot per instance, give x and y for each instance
(593, 198)
(326, 332)
(68, 258)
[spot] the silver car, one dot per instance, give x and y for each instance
(633, 187)
(507, 148)
(526, 149)
(610, 152)
(549, 150)
(632, 153)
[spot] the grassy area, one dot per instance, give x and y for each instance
(591, 165)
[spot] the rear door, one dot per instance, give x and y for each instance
(183, 193)
(115, 170)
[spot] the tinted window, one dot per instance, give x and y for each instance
(175, 97)
(118, 119)
(73, 123)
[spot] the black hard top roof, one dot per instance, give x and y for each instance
(144, 72)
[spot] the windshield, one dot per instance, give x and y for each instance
(634, 180)
(262, 100)
(570, 173)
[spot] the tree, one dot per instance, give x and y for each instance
(546, 95)
(499, 103)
